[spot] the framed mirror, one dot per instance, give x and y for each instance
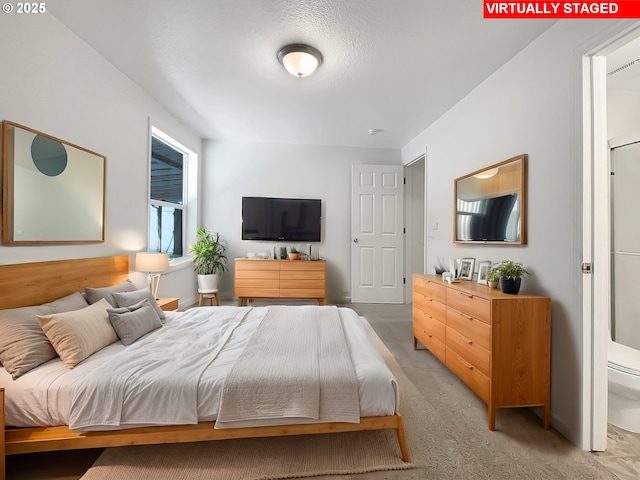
(490, 204)
(52, 191)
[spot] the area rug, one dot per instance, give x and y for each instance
(267, 458)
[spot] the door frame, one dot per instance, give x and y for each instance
(409, 210)
(596, 241)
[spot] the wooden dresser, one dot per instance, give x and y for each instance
(280, 279)
(499, 345)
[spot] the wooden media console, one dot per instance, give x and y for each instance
(280, 279)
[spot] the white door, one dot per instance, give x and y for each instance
(377, 234)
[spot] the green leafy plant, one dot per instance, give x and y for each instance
(492, 275)
(510, 270)
(294, 250)
(209, 253)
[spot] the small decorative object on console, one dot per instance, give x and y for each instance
(483, 269)
(294, 253)
(511, 274)
(466, 268)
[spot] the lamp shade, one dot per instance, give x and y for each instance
(300, 60)
(152, 262)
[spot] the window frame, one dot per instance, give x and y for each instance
(189, 190)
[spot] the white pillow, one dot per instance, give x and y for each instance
(78, 334)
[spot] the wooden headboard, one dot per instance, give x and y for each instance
(34, 283)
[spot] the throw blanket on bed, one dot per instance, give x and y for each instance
(151, 377)
(296, 365)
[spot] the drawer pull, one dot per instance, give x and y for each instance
(468, 317)
(468, 295)
(468, 365)
(466, 340)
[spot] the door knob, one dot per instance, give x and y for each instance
(355, 240)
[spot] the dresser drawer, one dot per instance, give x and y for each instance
(429, 325)
(429, 306)
(470, 327)
(433, 289)
(469, 350)
(470, 304)
(433, 344)
(470, 375)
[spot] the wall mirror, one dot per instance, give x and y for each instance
(52, 191)
(490, 204)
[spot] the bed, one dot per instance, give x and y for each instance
(33, 429)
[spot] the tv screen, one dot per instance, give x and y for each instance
(490, 220)
(281, 219)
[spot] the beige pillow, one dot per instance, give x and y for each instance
(23, 344)
(76, 335)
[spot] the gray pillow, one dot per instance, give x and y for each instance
(131, 323)
(95, 294)
(127, 299)
(23, 343)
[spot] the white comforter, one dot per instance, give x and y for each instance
(49, 394)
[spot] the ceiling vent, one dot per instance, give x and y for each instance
(624, 67)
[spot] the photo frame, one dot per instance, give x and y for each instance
(483, 268)
(53, 191)
(466, 268)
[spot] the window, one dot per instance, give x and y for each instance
(167, 205)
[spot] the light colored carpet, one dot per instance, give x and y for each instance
(270, 458)
(447, 434)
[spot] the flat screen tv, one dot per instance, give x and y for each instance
(281, 219)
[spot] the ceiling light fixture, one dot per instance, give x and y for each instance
(300, 60)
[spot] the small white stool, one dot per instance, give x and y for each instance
(210, 295)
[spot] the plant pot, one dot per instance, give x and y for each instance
(208, 283)
(294, 256)
(492, 284)
(510, 285)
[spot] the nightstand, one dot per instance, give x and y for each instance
(168, 304)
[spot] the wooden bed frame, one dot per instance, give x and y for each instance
(40, 282)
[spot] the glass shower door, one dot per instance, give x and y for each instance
(625, 241)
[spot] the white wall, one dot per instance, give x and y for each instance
(55, 83)
(530, 105)
(231, 170)
(623, 110)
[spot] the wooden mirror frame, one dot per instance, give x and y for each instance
(53, 192)
(511, 182)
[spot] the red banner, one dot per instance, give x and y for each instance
(519, 9)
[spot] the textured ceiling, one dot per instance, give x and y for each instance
(394, 65)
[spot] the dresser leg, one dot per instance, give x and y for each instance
(492, 419)
(415, 343)
(546, 416)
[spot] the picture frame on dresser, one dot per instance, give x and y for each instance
(483, 268)
(466, 268)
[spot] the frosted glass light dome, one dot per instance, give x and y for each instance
(300, 60)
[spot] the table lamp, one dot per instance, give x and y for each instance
(153, 264)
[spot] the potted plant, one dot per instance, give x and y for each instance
(294, 253)
(493, 277)
(209, 258)
(511, 274)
